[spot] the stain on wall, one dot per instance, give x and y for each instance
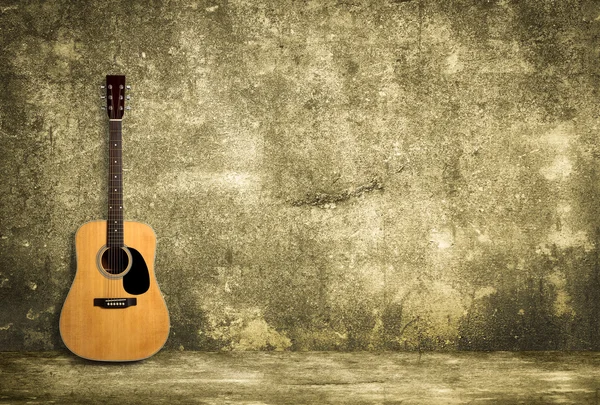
(321, 175)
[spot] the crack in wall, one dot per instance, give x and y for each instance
(322, 199)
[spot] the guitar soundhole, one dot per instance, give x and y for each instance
(115, 260)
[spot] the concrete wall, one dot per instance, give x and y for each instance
(321, 175)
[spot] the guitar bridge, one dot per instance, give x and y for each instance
(114, 303)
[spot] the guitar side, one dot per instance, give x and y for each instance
(113, 334)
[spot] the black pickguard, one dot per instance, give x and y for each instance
(137, 280)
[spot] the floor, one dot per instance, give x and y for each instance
(304, 378)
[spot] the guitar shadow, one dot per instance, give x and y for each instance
(72, 269)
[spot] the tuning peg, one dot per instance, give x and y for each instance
(103, 107)
(128, 87)
(102, 86)
(102, 96)
(128, 107)
(128, 97)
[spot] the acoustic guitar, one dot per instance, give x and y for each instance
(114, 310)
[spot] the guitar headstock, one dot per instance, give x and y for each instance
(115, 96)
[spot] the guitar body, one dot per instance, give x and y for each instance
(96, 332)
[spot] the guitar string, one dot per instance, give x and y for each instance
(120, 198)
(111, 202)
(118, 256)
(115, 236)
(113, 244)
(115, 249)
(108, 236)
(121, 102)
(115, 239)
(116, 217)
(120, 194)
(121, 224)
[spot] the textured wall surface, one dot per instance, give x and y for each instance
(321, 175)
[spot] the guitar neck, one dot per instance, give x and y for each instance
(115, 186)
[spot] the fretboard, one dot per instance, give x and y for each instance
(115, 186)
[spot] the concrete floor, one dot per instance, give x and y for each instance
(304, 378)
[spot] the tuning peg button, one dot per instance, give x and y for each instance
(128, 87)
(103, 107)
(128, 107)
(102, 86)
